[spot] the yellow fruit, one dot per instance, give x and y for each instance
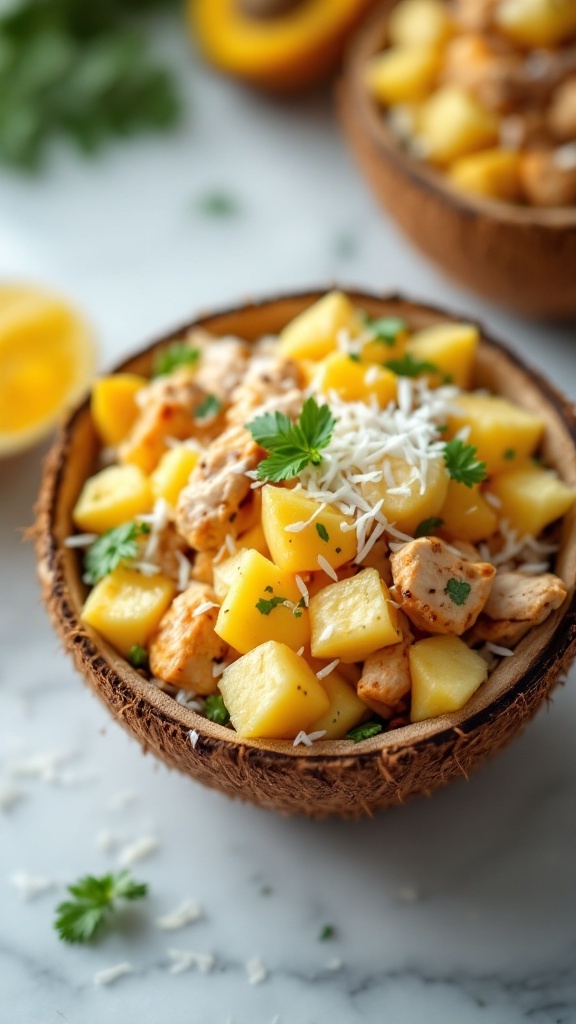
(351, 619)
(253, 611)
(495, 173)
(224, 573)
(450, 347)
(173, 472)
(466, 514)
(445, 673)
(356, 381)
(297, 552)
(112, 497)
(313, 334)
(540, 23)
(272, 692)
(531, 498)
(453, 123)
(254, 538)
(500, 431)
(47, 358)
(409, 508)
(126, 607)
(346, 709)
(419, 23)
(402, 74)
(113, 405)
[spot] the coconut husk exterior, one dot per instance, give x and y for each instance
(337, 777)
(522, 257)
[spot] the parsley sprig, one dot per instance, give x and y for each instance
(458, 590)
(115, 546)
(385, 329)
(409, 366)
(463, 464)
(78, 920)
(216, 710)
(292, 446)
(173, 356)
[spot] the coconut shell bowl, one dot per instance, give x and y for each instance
(330, 778)
(522, 257)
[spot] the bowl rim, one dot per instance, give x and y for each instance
(91, 650)
(365, 44)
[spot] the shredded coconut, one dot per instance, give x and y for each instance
(217, 670)
(184, 570)
(298, 527)
(194, 737)
(139, 850)
(30, 886)
(303, 590)
(333, 965)
(327, 669)
(300, 651)
(111, 974)
(122, 799)
(146, 568)
(502, 652)
(43, 766)
(256, 971)
(204, 607)
(80, 540)
(565, 157)
(492, 499)
(326, 633)
(185, 959)
(108, 841)
(308, 738)
(9, 796)
(186, 913)
(325, 565)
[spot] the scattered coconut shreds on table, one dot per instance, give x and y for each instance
(42, 766)
(30, 886)
(10, 796)
(111, 974)
(256, 970)
(137, 851)
(186, 913)
(186, 959)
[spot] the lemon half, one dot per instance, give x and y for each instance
(47, 360)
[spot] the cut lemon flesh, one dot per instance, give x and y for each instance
(47, 359)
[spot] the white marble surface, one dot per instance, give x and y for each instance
(459, 910)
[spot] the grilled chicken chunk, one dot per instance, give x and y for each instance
(266, 385)
(385, 681)
(518, 602)
(185, 648)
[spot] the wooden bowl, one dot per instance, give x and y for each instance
(522, 257)
(330, 778)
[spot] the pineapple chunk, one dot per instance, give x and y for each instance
(224, 573)
(254, 538)
(112, 497)
(453, 123)
(298, 552)
(351, 619)
(272, 693)
(402, 74)
(173, 472)
(450, 347)
(419, 23)
(408, 509)
(252, 613)
(126, 607)
(531, 498)
(499, 430)
(445, 673)
(379, 351)
(466, 515)
(495, 173)
(113, 405)
(355, 381)
(346, 709)
(313, 334)
(538, 23)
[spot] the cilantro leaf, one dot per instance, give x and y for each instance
(173, 356)
(78, 920)
(218, 204)
(265, 607)
(216, 710)
(292, 446)
(115, 546)
(427, 526)
(510, 454)
(385, 329)
(364, 732)
(409, 366)
(458, 591)
(462, 463)
(327, 932)
(322, 532)
(138, 656)
(209, 407)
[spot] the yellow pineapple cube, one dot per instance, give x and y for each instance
(402, 74)
(419, 23)
(351, 619)
(494, 173)
(377, 350)
(466, 515)
(113, 405)
(445, 673)
(500, 431)
(254, 611)
(272, 693)
(451, 347)
(408, 508)
(125, 607)
(453, 123)
(112, 497)
(531, 498)
(539, 23)
(346, 709)
(313, 333)
(254, 538)
(224, 573)
(173, 472)
(298, 551)
(356, 381)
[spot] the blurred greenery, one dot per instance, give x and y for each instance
(79, 69)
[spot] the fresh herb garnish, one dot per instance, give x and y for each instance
(292, 446)
(116, 545)
(265, 607)
(138, 656)
(409, 366)
(327, 931)
(385, 329)
(78, 70)
(77, 920)
(462, 463)
(427, 526)
(510, 454)
(364, 732)
(216, 710)
(322, 532)
(218, 204)
(209, 407)
(174, 355)
(266, 890)
(458, 591)
(354, 357)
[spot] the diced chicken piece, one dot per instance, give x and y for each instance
(379, 558)
(203, 567)
(475, 15)
(267, 380)
(385, 681)
(185, 649)
(222, 366)
(171, 546)
(439, 591)
(466, 550)
(209, 506)
(546, 180)
(168, 407)
(518, 602)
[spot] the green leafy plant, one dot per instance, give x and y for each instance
(116, 545)
(463, 464)
(173, 356)
(409, 366)
(364, 732)
(458, 591)
(427, 526)
(385, 329)
(292, 446)
(79, 919)
(216, 710)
